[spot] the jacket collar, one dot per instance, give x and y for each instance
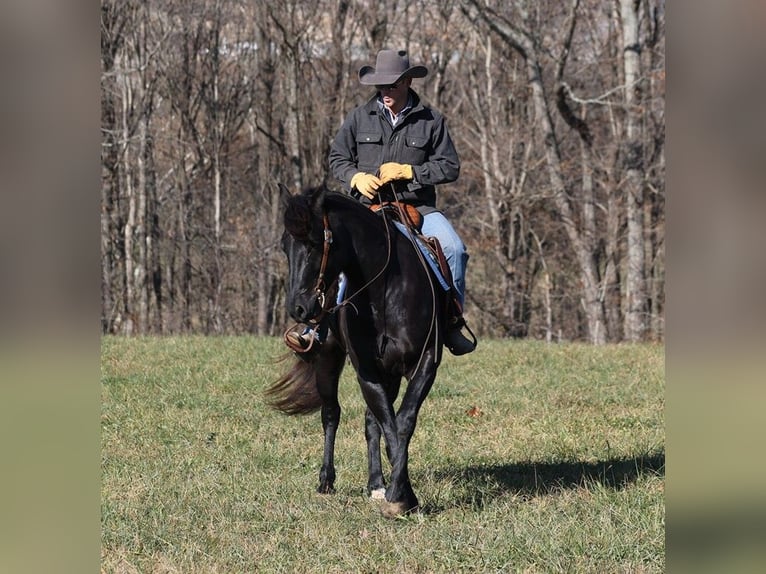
(372, 104)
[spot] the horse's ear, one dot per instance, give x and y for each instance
(317, 200)
(284, 194)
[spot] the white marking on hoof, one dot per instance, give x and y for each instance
(378, 494)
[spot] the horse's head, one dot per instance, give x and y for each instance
(306, 242)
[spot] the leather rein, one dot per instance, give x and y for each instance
(320, 288)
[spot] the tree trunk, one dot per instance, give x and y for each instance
(140, 270)
(106, 253)
(611, 279)
(130, 223)
(292, 121)
(591, 301)
(635, 288)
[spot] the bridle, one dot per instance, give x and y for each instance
(320, 288)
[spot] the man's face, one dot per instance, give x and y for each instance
(395, 95)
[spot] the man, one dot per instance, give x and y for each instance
(395, 138)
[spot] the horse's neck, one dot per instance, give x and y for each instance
(370, 251)
(379, 263)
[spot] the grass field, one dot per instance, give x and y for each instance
(561, 470)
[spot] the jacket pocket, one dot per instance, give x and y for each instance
(368, 138)
(369, 150)
(415, 149)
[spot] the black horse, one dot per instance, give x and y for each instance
(390, 325)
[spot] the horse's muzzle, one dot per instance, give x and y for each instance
(304, 309)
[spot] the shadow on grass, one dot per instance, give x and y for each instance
(478, 485)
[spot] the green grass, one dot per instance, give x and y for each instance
(562, 472)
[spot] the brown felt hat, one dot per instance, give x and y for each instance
(389, 67)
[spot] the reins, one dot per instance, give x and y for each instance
(319, 288)
(405, 219)
(347, 300)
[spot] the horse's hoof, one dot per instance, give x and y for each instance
(378, 494)
(396, 509)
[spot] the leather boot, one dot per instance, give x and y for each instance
(301, 340)
(305, 342)
(457, 343)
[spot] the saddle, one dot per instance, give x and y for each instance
(398, 210)
(411, 218)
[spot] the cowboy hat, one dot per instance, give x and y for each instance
(389, 67)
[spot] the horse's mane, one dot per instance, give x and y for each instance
(300, 211)
(334, 200)
(298, 215)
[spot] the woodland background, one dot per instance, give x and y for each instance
(557, 110)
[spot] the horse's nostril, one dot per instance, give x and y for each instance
(300, 311)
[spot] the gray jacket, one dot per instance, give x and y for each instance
(366, 140)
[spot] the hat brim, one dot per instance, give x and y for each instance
(368, 77)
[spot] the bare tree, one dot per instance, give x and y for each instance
(526, 44)
(129, 82)
(208, 104)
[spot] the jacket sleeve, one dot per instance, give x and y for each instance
(343, 153)
(442, 164)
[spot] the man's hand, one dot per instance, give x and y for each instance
(391, 171)
(366, 183)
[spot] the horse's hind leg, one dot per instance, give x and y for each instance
(376, 487)
(329, 365)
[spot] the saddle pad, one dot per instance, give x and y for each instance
(430, 257)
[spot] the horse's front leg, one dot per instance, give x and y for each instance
(329, 365)
(400, 497)
(330, 421)
(376, 486)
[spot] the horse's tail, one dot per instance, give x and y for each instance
(295, 392)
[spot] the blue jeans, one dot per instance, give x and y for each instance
(436, 225)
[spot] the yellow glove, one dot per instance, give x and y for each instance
(391, 171)
(366, 183)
